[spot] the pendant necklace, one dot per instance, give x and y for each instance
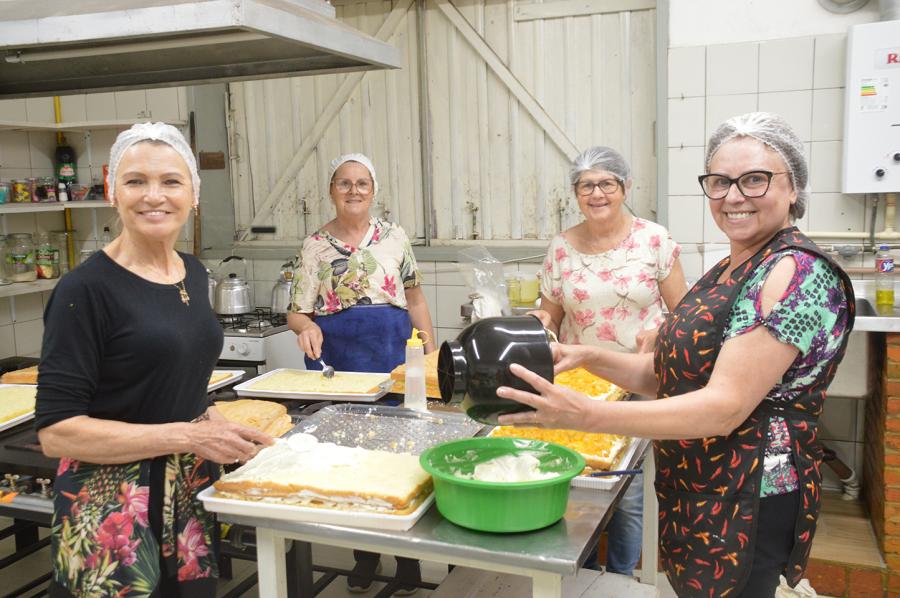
(182, 292)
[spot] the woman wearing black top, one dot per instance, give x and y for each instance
(129, 344)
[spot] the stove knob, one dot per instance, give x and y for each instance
(243, 349)
(11, 480)
(44, 483)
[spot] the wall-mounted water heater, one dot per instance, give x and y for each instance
(872, 109)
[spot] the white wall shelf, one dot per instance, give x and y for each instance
(25, 288)
(51, 206)
(77, 126)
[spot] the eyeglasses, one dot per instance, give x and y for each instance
(606, 186)
(751, 184)
(363, 186)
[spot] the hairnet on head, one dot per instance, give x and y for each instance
(362, 159)
(600, 158)
(775, 133)
(151, 132)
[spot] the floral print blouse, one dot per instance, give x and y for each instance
(330, 275)
(609, 297)
(813, 317)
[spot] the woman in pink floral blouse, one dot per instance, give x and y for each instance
(605, 279)
(604, 283)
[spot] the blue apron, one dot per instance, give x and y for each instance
(364, 338)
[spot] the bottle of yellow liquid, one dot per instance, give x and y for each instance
(884, 277)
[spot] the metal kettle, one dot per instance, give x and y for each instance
(211, 285)
(233, 291)
(281, 292)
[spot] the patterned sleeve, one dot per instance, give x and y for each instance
(809, 309)
(409, 268)
(551, 276)
(305, 285)
(667, 254)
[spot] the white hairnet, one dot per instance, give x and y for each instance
(600, 158)
(362, 159)
(776, 133)
(155, 132)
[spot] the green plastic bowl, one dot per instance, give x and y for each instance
(500, 506)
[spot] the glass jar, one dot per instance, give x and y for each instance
(45, 189)
(3, 279)
(20, 266)
(32, 184)
(21, 193)
(5, 192)
(59, 239)
(46, 257)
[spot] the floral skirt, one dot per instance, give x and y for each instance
(135, 529)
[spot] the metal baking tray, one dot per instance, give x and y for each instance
(248, 508)
(233, 376)
(245, 389)
(11, 423)
(608, 482)
(393, 429)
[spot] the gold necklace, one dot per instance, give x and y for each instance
(182, 292)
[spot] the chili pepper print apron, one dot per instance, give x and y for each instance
(135, 529)
(364, 338)
(708, 488)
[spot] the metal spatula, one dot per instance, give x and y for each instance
(327, 370)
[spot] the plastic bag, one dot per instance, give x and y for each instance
(802, 590)
(483, 274)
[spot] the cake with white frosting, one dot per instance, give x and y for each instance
(301, 471)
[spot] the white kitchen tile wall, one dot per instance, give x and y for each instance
(794, 106)
(686, 121)
(786, 64)
(687, 72)
(28, 337)
(836, 212)
(825, 166)
(827, 114)
(7, 341)
(685, 211)
(838, 419)
(829, 61)
(732, 68)
(684, 166)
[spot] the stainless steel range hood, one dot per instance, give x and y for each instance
(54, 47)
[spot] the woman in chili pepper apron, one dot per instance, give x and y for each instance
(743, 363)
(356, 296)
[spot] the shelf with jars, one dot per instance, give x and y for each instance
(53, 206)
(26, 288)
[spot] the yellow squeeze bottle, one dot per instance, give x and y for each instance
(415, 373)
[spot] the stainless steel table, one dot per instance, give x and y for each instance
(545, 555)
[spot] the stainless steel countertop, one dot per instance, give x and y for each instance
(560, 548)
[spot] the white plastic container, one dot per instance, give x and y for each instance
(415, 373)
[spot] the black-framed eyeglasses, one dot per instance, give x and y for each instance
(754, 183)
(345, 185)
(606, 186)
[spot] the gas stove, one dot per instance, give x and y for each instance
(260, 323)
(259, 342)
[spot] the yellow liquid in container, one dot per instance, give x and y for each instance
(884, 297)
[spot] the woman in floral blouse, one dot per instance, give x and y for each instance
(604, 284)
(355, 298)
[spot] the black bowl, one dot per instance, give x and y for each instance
(472, 367)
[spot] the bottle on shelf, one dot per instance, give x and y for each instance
(105, 238)
(62, 194)
(884, 277)
(65, 162)
(415, 373)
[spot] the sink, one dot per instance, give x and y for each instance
(864, 308)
